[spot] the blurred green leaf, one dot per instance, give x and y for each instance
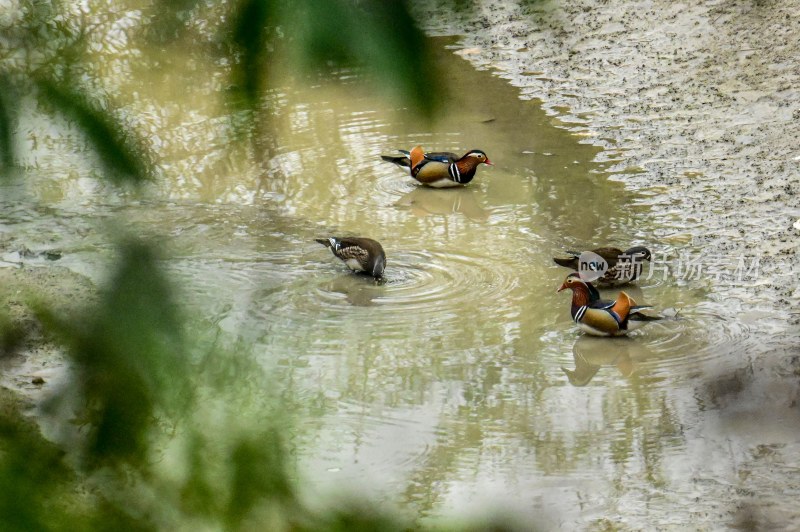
(12, 335)
(120, 153)
(198, 495)
(130, 357)
(258, 466)
(358, 516)
(32, 474)
(7, 158)
(253, 24)
(378, 35)
(109, 517)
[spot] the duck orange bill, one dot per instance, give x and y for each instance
(563, 287)
(487, 161)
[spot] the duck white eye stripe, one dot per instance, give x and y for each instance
(455, 173)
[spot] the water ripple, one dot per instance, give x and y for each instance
(680, 347)
(424, 282)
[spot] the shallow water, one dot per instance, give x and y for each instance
(460, 381)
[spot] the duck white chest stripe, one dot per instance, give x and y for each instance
(579, 313)
(444, 183)
(454, 172)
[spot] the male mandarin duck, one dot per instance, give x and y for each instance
(440, 169)
(358, 253)
(603, 318)
(623, 267)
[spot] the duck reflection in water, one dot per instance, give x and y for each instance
(591, 353)
(359, 290)
(426, 201)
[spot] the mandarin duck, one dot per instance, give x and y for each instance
(603, 318)
(622, 267)
(439, 169)
(359, 254)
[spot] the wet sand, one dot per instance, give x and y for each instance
(29, 361)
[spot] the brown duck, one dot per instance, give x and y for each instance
(358, 253)
(623, 266)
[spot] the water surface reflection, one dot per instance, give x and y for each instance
(442, 387)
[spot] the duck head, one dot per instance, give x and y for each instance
(638, 254)
(479, 156)
(580, 288)
(378, 265)
(573, 282)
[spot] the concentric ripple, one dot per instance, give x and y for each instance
(422, 298)
(424, 279)
(433, 285)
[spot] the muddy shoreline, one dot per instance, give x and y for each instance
(29, 360)
(702, 102)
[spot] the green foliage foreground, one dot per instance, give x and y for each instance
(161, 434)
(159, 426)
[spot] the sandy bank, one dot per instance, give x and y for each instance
(29, 361)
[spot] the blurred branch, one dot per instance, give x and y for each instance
(120, 153)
